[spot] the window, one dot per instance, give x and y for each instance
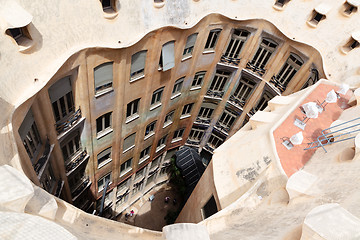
(349, 8)
(243, 91)
(186, 110)
(156, 98)
(167, 57)
(263, 54)
(198, 79)
(103, 77)
(178, 135)
(289, 69)
(206, 111)
(140, 174)
(137, 65)
(71, 146)
(104, 157)
(238, 38)
(219, 81)
(263, 102)
(351, 44)
(281, 3)
(132, 110)
(103, 124)
(150, 130)
(155, 163)
(212, 39)
(215, 141)
(168, 119)
(122, 186)
(21, 35)
(125, 167)
(109, 6)
(177, 88)
(129, 142)
(122, 192)
(30, 136)
(209, 208)
(313, 78)
(227, 118)
(161, 143)
(145, 154)
(189, 47)
(319, 14)
(62, 99)
(103, 180)
(196, 134)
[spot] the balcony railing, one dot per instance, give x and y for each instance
(40, 166)
(224, 129)
(73, 118)
(229, 60)
(255, 69)
(235, 101)
(76, 162)
(84, 183)
(192, 142)
(202, 121)
(209, 148)
(214, 94)
(274, 80)
(252, 112)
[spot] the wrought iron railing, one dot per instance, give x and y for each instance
(209, 148)
(76, 162)
(192, 142)
(214, 94)
(237, 101)
(230, 60)
(223, 128)
(63, 126)
(202, 121)
(252, 112)
(43, 159)
(255, 69)
(274, 80)
(84, 183)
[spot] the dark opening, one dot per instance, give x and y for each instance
(209, 208)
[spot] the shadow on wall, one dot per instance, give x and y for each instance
(6, 139)
(36, 37)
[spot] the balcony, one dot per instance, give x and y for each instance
(230, 61)
(214, 94)
(43, 161)
(236, 102)
(76, 162)
(192, 142)
(209, 148)
(222, 128)
(255, 69)
(202, 121)
(275, 81)
(72, 120)
(83, 184)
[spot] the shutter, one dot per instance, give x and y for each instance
(104, 153)
(26, 124)
(191, 40)
(129, 141)
(138, 61)
(103, 74)
(168, 57)
(60, 89)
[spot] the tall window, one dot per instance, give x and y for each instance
(71, 145)
(103, 123)
(129, 142)
(243, 91)
(177, 88)
(215, 141)
(104, 157)
(103, 77)
(167, 57)
(150, 129)
(168, 119)
(316, 18)
(109, 6)
(263, 54)
(289, 69)
(156, 97)
(132, 109)
(125, 167)
(145, 154)
(198, 80)
(30, 136)
(62, 99)
(190, 43)
(187, 109)
(102, 181)
(238, 38)
(178, 134)
(137, 65)
(206, 111)
(196, 134)
(219, 81)
(263, 102)
(227, 118)
(212, 39)
(161, 143)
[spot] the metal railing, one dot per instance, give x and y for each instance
(76, 162)
(214, 94)
(202, 121)
(84, 183)
(221, 127)
(230, 60)
(329, 136)
(192, 142)
(43, 159)
(236, 101)
(255, 69)
(73, 118)
(275, 81)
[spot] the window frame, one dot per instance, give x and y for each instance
(156, 98)
(139, 71)
(177, 88)
(104, 129)
(212, 40)
(101, 89)
(186, 111)
(126, 167)
(198, 80)
(178, 135)
(237, 42)
(145, 154)
(189, 46)
(150, 130)
(132, 109)
(264, 52)
(168, 120)
(161, 143)
(103, 179)
(107, 152)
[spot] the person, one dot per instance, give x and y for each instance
(167, 199)
(126, 216)
(131, 213)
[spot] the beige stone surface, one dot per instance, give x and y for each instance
(42, 204)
